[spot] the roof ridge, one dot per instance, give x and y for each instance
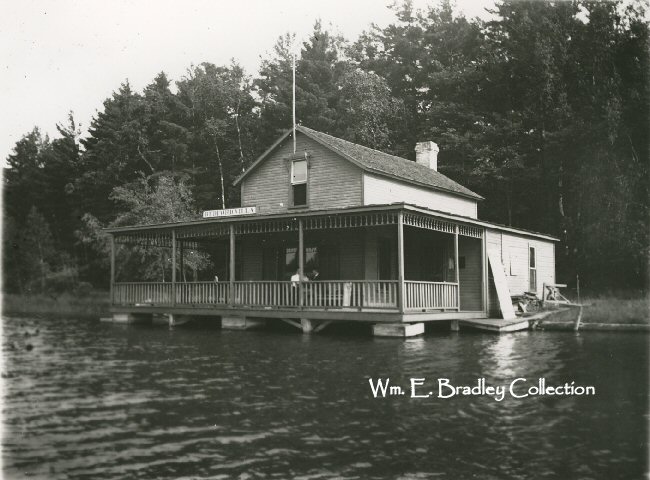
(400, 166)
(358, 144)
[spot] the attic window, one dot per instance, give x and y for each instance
(299, 182)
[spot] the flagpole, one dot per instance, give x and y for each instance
(293, 57)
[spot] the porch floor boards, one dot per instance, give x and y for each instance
(339, 314)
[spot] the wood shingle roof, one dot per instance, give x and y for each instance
(386, 164)
(375, 161)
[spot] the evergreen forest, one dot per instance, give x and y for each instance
(543, 110)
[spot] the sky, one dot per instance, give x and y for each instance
(70, 55)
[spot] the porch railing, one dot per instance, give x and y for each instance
(265, 294)
(430, 295)
(321, 294)
(353, 294)
(142, 293)
(202, 293)
(370, 294)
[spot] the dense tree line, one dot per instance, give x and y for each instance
(542, 110)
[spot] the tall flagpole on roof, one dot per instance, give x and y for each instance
(293, 57)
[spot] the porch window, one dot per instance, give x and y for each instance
(532, 269)
(290, 262)
(299, 182)
(322, 258)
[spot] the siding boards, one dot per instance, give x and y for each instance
(251, 252)
(333, 182)
(470, 277)
(378, 190)
(513, 251)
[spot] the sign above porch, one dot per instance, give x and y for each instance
(230, 212)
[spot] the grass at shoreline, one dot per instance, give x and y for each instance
(611, 308)
(94, 304)
(616, 309)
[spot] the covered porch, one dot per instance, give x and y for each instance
(387, 263)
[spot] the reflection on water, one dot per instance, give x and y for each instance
(102, 401)
(504, 355)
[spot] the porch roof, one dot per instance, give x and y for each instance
(392, 207)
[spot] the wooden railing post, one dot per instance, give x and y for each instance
(112, 270)
(181, 261)
(484, 276)
(232, 266)
(456, 268)
(301, 262)
(400, 262)
(173, 267)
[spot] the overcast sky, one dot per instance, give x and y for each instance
(67, 55)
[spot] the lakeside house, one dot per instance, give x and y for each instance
(394, 242)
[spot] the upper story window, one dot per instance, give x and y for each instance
(299, 182)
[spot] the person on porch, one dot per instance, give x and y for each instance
(296, 278)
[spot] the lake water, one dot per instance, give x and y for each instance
(108, 401)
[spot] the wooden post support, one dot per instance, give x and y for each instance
(301, 262)
(484, 271)
(173, 267)
(401, 300)
(112, 269)
(232, 266)
(456, 269)
(181, 261)
(307, 325)
(401, 330)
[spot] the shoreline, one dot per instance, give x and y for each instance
(94, 304)
(602, 327)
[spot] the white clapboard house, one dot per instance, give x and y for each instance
(392, 241)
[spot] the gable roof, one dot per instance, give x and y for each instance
(374, 161)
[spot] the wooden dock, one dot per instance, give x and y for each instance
(499, 325)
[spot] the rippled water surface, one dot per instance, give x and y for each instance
(102, 401)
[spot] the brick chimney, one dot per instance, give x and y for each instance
(426, 153)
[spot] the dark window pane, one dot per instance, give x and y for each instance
(270, 263)
(328, 262)
(384, 257)
(532, 257)
(290, 262)
(300, 194)
(532, 281)
(311, 259)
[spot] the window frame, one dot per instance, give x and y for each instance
(293, 183)
(532, 270)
